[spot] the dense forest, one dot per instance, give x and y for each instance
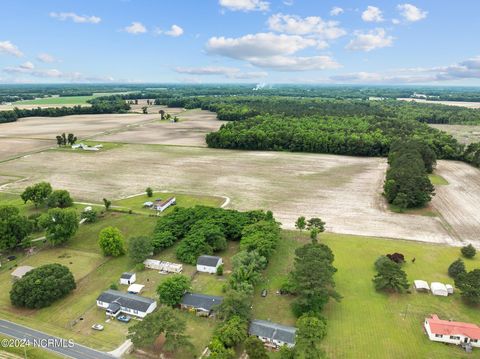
(111, 104)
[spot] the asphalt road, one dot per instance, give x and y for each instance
(57, 345)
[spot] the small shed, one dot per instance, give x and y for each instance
(449, 288)
(208, 264)
(19, 272)
(128, 278)
(421, 285)
(135, 288)
(438, 288)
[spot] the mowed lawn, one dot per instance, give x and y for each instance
(366, 323)
(67, 100)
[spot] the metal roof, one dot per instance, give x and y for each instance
(272, 331)
(209, 261)
(127, 275)
(201, 301)
(127, 300)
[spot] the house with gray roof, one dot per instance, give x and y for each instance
(116, 302)
(208, 264)
(272, 334)
(202, 304)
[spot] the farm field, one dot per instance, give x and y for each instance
(189, 131)
(66, 100)
(366, 323)
(344, 191)
(448, 103)
(465, 134)
(12, 147)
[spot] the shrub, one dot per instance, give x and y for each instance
(114, 286)
(469, 251)
(89, 216)
(220, 270)
(111, 242)
(149, 192)
(59, 199)
(456, 269)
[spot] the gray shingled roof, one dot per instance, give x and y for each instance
(273, 331)
(201, 301)
(127, 300)
(209, 261)
(127, 275)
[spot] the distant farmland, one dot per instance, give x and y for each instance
(67, 100)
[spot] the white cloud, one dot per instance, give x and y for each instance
(245, 5)
(269, 50)
(80, 19)
(288, 2)
(7, 47)
(28, 69)
(395, 21)
(248, 75)
(46, 58)
(411, 13)
(175, 31)
(292, 24)
(136, 28)
(336, 10)
(371, 40)
(372, 14)
(229, 72)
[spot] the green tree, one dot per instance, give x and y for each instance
(89, 216)
(60, 224)
(469, 251)
(233, 331)
(390, 277)
(140, 248)
(172, 289)
(469, 285)
(149, 192)
(219, 351)
(111, 242)
(312, 278)
(301, 223)
(255, 348)
(37, 193)
(42, 286)
(144, 110)
(456, 269)
(166, 321)
(107, 203)
(162, 114)
(317, 223)
(59, 199)
(314, 234)
(235, 303)
(310, 331)
(14, 228)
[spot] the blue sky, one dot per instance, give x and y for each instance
(211, 41)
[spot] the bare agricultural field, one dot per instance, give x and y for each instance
(344, 191)
(448, 103)
(465, 134)
(12, 147)
(189, 131)
(458, 202)
(80, 125)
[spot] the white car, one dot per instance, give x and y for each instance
(97, 327)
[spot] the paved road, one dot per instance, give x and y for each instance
(48, 342)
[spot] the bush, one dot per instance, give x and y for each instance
(59, 199)
(456, 269)
(89, 216)
(114, 286)
(220, 270)
(396, 257)
(42, 286)
(111, 242)
(149, 192)
(469, 251)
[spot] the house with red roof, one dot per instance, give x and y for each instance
(447, 331)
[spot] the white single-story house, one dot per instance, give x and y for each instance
(203, 305)
(162, 266)
(438, 288)
(19, 272)
(116, 302)
(421, 285)
(135, 288)
(128, 278)
(273, 335)
(449, 288)
(160, 205)
(451, 332)
(208, 264)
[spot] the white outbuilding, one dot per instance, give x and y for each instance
(421, 285)
(449, 288)
(438, 288)
(128, 278)
(208, 264)
(135, 288)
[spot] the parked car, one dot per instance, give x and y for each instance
(97, 327)
(264, 293)
(124, 318)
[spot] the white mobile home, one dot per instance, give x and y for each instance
(162, 266)
(273, 335)
(116, 302)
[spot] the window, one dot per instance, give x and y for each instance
(100, 303)
(474, 340)
(454, 337)
(438, 336)
(135, 311)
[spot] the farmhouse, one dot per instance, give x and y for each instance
(202, 304)
(160, 205)
(162, 266)
(273, 335)
(447, 331)
(208, 264)
(19, 272)
(439, 289)
(116, 302)
(128, 278)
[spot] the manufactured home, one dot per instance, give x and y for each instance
(203, 305)
(116, 302)
(273, 335)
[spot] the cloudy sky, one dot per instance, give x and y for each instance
(212, 41)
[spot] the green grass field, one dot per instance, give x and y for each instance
(437, 180)
(28, 352)
(67, 100)
(366, 323)
(135, 204)
(106, 146)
